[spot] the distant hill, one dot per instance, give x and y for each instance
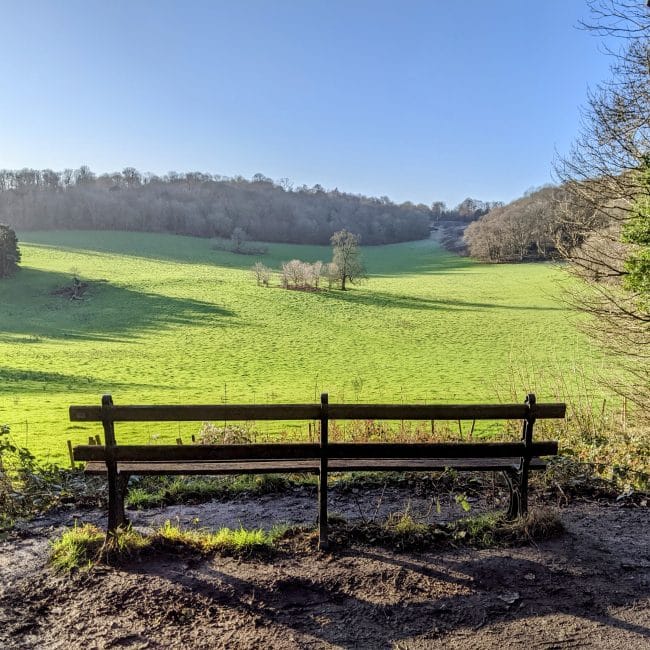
(202, 205)
(530, 228)
(208, 205)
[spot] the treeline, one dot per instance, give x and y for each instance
(465, 212)
(530, 228)
(449, 224)
(203, 205)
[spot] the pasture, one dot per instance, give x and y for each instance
(167, 319)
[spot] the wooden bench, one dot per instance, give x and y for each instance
(120, 462)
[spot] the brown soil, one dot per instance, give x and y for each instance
(588, 588)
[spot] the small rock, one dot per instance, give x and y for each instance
(509, 597)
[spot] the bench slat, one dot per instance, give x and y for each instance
(439, 450)
(310, 467)
(179, 453)
(245, 412)
(177, 413)
(442, 411)
(306, 451)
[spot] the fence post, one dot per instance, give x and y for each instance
(71, 454)
(322, 475)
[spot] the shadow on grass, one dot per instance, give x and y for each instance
(401, 301)
(35, 381)
(429, 262)
(154, 247)
(387, 260)
(149, 246)
(31, 312)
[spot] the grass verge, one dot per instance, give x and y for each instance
(81, 547)
(239, 542)
(401, 532)
(85, 545)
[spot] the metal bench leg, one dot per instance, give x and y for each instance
(517, 480)
(122, 487)
(514, 486)
(523, 489)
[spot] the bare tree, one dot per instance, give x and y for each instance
(331, 273)
(238, 238)
(608, 172)
(295, 273)
(261, 273)
(528, 228)
(347, 257)
(316, 272)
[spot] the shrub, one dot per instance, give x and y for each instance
(9, 251)
(261, 273)
(211, 434)
(26, 487)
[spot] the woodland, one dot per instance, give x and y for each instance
(207, 205)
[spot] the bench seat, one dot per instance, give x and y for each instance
(159, 468)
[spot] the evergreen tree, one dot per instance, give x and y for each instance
(636, 231)
(9, 251)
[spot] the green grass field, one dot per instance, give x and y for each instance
(169, 320)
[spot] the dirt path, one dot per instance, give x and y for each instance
(590, 588)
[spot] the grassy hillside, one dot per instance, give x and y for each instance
(167, 319)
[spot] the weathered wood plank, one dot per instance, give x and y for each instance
(209, 468)
(243, 412)
(173, 413)
(309, 451)
(180, 453)
(442, 411)
(311, 466)
(323, 473)
(440, 450)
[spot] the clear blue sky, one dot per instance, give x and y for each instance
(422, 101)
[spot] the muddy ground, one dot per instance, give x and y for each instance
(588, 588)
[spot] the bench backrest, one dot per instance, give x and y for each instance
(108, 414)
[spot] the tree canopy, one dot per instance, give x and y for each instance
(530, 228)
(203, 205)
(608, 170)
